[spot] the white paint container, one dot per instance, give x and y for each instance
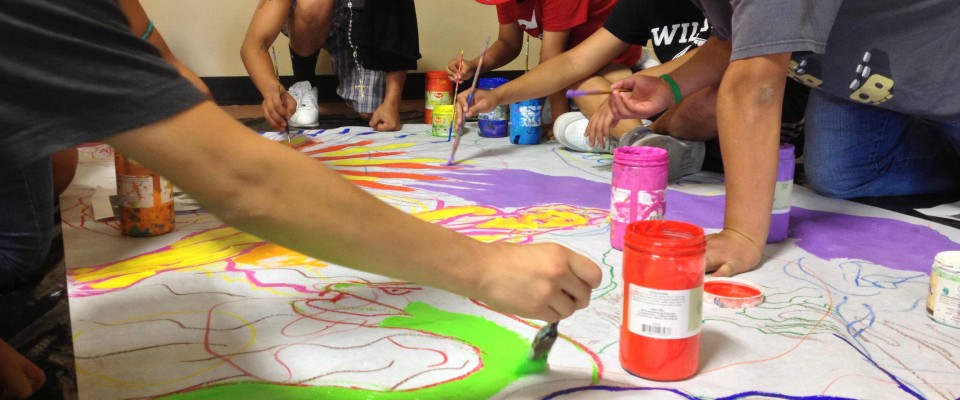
(943, 303)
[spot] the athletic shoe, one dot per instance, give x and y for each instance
(307, 115)
(569, 129)
(686, 157)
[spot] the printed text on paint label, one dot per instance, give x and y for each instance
(781, 196)
(437, 99)
(664, 314)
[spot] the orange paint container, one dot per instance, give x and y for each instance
(663, 272)
(438, 92)
(146, 199)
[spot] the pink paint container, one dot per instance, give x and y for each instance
(780, 219)
(638, 188)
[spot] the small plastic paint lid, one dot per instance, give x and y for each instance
(732, 293)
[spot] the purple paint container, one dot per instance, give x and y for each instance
(638, 188)
(780, 219)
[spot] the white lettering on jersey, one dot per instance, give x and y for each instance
(529, 25)
(689, 33)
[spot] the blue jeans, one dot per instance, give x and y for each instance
(26, 221)
(857, 150)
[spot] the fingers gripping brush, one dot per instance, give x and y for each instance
(473, 86)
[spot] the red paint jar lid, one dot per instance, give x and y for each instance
(665, 238)
(732, 293)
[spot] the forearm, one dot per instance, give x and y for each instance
(393, 91)
(557, 72)
(295, 201)
(669, 66)
(748, 117)
(260, 67)
(499, 53)
(705, 68)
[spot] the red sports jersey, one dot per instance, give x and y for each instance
(581, 17)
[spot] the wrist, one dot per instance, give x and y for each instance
(673, 88)
(737, 232)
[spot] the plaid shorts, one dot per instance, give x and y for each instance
(361, 88)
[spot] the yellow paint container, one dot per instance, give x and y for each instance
(442, 120)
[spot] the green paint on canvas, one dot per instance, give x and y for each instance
(503, 353)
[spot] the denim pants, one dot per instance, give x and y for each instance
(26, 221)
(856, 150)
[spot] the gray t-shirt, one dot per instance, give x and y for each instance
(71, 72)
(895, 54)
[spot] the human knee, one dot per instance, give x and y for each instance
(313, 13)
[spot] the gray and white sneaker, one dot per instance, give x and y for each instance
(686, 157)
(569, 129)
(307, 115)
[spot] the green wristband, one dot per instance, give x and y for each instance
(677, 96)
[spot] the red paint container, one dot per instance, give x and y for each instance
(663, 270)
(438, 88)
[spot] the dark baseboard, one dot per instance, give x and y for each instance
(239, 90)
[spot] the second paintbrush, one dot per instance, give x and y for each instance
(577, 93)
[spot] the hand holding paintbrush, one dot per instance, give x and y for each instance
(276, 71)
(473, 87)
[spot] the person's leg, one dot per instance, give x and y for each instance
(308, 27)
(856, 150)
(26, 223)
(363, 89)
(695, 118)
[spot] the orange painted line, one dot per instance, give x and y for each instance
(392, 175)
(359, 155)
(340, 147)
(377, 185)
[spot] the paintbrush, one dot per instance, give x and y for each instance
(540, 349)
(526, 55)
(276, 71)
(577, 93)
(473, 87)
(456, 90)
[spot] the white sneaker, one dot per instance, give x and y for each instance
(686, 157)
(307, 115)
(569, 129)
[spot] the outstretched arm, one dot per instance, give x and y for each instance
(748, 118)
(140, 24)
(650, 95)
(268, 19)
(507, 47)
(553, 74)
(327, 217)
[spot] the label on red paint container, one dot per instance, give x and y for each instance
(664, 314)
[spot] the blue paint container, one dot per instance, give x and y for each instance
(525, 121)
(493, 124)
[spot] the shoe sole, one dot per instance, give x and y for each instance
(684, 158)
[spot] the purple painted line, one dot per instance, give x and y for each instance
(520, 188)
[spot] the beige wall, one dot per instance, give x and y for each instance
(206, 35)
